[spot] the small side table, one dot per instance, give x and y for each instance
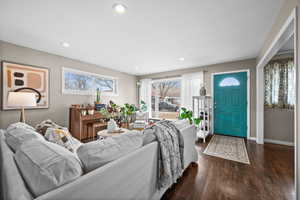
(105, 134)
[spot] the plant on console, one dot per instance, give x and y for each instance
(128, 111)
(188, 114)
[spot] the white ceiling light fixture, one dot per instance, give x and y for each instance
(119, 8)
(65, 44)
(181, 59)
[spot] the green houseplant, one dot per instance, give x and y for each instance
(127, 112)
(98, 104)
(143, 106)
(188, 114)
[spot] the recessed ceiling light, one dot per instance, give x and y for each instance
(119, 8)
(181, 59)
(65, 44)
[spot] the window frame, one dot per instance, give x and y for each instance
(164, 80)
(90, 91)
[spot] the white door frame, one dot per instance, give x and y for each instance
(289, 28)
(286, 31)
(248, 97)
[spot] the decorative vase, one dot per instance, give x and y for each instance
(99, 106)
(202, 91)
(111, 125)
(83, 112)
(91, 112)
(125, 125)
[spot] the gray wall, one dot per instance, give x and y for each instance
(279, 124)
(224, 67)
(284, 13)
(60, 103)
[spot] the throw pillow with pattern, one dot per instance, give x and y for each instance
(44, 125)
(62, 137)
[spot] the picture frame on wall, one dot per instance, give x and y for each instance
(16, 76)
(76, 82)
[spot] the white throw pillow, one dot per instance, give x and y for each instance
(46, 166)
(98, 153)
(16, 136)
(63, 138)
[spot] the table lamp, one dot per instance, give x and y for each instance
(21, 100)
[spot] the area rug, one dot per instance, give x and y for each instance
(226, 147)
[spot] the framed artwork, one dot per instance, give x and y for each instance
(85, 83)
(15, 76)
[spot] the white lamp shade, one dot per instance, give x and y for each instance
(21, 99)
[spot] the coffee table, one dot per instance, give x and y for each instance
(105, 134)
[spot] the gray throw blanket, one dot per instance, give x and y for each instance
(170, 162)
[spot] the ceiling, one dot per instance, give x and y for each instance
(150, 37)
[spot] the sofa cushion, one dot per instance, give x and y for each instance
(98, 153)
(46, 166)
(19, 125)
(16, 136)
(12, 184)
(63, 138)
(181, 124)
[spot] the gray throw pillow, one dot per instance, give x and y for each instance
(15, 137)
(46, 166)
(98, 153)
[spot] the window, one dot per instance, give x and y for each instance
(166, 98)
(229, 82)
(280, 84)
(85, 83)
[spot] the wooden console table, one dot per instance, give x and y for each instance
(82, 126)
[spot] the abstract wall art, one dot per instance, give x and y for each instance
(15, 76)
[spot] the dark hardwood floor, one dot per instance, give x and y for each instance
(269, 176)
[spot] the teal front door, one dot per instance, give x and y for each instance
(230, 104)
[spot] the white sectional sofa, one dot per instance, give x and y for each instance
(133, 176)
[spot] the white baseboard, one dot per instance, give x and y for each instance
(252, 138)
(279, 142)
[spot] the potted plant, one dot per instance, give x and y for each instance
(188, 114)
(127, 112)
(98, 105)
(90, 109)
(143, 106)
(112, 110)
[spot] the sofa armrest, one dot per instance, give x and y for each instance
(189, 135)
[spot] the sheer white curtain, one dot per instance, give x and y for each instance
(145, 93)
(191, 84)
